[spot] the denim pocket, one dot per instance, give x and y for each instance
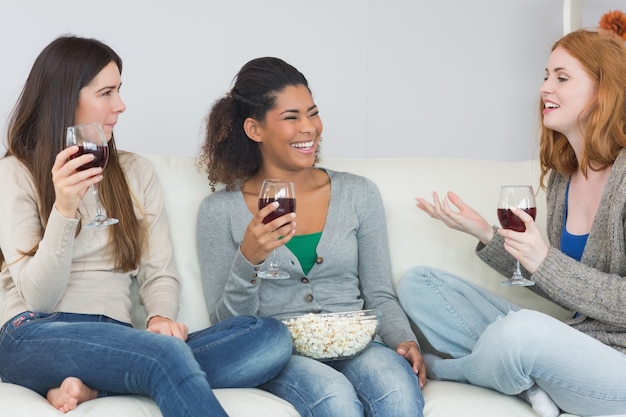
(17, 321)
(23, 318)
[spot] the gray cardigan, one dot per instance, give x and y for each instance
(596, 286)
(353, 270)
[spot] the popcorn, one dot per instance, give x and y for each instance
(332, 335)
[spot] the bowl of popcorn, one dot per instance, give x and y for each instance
(332, 336)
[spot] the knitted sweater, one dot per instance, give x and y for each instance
(74, 273)
(595, 287)
(353, 269)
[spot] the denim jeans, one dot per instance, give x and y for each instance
(496, 344)
(40, 350)
(378, 382)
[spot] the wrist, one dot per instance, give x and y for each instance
(249, 259)
(65, 212)
(487, 235)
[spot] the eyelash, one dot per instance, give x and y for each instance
(310, 116)
(108, 92)
(561, 79)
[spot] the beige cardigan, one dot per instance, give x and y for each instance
(74, 273)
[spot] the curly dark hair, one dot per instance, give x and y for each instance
(228, 155)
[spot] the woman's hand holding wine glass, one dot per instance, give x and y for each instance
(530, 248)
(281, 192)
(261, 239)
(518, 198)
(90, 139)
(70, 185)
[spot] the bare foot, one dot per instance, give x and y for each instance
(71, 393)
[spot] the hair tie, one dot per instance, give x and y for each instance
(614, 21)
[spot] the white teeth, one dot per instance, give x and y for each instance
(303, 145)
(551, 105)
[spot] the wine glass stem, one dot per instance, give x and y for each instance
(99, 214)
(273, 262)
(518, 272)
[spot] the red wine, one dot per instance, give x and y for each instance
(285, 205)
(508, 220)
(101, 155)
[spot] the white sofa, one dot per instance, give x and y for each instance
(414, 239)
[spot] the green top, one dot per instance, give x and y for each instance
(304, 248)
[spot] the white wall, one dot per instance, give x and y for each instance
(392, 78)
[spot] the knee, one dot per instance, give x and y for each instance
(413, 281)
(423, 277)
(400, 402)
(277, 331)
(398, 395)
(419, 285)
(275, 339)
(315, 389)
(519, 336)
(337, 394)
(522, 328)
(385, 381)
(171, 354)
(274, 346)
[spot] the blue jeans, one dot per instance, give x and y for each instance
(40, 350)
(496, 344)
(378, 382)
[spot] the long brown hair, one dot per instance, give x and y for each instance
(36, 134)
(603, 55)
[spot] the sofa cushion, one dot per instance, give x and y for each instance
(17, 401)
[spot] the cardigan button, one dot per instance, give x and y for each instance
(308, 298)
(319, 260)
(253, 282)
(304, 280)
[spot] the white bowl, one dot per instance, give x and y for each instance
(332, 336)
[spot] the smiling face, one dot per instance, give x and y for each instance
(566, 92)
(100, 101)
(289, 135)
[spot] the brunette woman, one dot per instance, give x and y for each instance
(66, 308)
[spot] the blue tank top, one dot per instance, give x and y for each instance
(572, 245)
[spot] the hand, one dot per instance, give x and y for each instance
(71, 185)
(465, 218)
(261, 239)
(167, 327)
(411, 352)
(527, 247)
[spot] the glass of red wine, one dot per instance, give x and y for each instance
(284, 193)
(91, 139)
(522, 197)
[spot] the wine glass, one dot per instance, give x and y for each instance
(284, 193)
(91, 139)
(522, 197)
